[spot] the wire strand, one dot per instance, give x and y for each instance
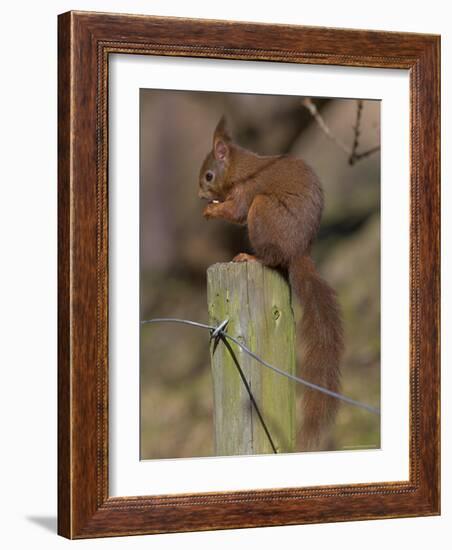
(250, 393)
(306, 383)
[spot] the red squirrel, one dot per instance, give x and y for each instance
(280, 200)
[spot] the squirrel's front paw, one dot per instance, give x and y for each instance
(209, 210)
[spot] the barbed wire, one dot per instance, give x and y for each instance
(217, 332)
(248, 389)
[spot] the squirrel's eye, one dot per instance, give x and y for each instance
(209, 176)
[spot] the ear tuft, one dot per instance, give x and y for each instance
(221, 131)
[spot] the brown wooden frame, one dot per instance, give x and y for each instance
(84, 44)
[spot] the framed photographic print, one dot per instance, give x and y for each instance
(248, 275)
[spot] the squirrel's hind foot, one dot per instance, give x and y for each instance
(244, 257)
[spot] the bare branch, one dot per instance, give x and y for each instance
(364, 154)
(311, 107)
(351, 152)
(356, 128)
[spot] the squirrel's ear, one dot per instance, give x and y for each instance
(221, 149)
(221, 140)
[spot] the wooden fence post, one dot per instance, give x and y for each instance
(256, 300)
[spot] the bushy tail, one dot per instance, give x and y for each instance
(321, 336)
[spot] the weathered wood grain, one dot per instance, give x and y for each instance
(256, 300)
(85, 42)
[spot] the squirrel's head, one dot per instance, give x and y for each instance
(213, 176)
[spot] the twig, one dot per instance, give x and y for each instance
(356, 128)
(351, 152)
(364, 154)
(311, 107)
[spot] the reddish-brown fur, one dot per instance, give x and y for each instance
(280, 199)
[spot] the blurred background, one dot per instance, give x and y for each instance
(177, 246)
